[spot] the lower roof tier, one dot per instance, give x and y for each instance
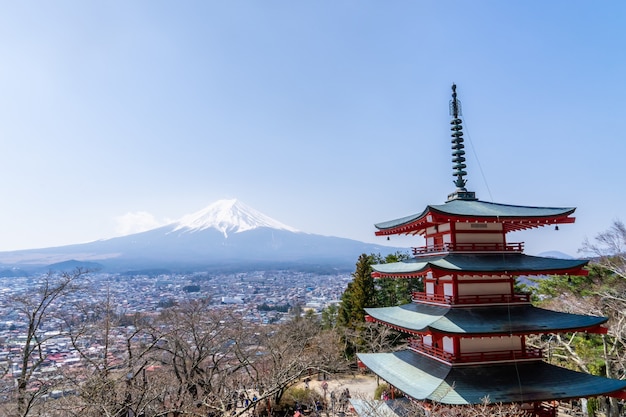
(378, 408)
(517, 319)
(423, 378)
(502, 263)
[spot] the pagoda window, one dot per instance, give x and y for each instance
(436, 236)
(436, 242)
(448, 344)
(430, 287)
(448, 289)
(427, 340)
(432, 230)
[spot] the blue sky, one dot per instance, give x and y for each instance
(328, 116)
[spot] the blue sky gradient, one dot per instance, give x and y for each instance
(328, 116)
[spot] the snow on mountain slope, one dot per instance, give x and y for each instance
(228, 216)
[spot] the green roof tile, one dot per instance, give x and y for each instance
(477, 209)
(424, 378)
(486, 209)
(511, 263)
(482, 320)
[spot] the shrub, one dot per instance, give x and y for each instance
(303, 396)
(379, 390)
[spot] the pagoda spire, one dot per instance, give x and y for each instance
(458, 158)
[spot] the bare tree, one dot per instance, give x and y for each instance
(609, 248)
(408, 407)
(194, 359)
(117, 357)
(602, 293)
(377, 338)
(205, 351)
(40, 312)
(295, 350)
(217, 363)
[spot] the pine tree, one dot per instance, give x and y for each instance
(396, 291)
(359, 294)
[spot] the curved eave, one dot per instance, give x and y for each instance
(513, 218)
(474, 321)
(480, 264)
(423, 272)
(422, 378)
(405, 225)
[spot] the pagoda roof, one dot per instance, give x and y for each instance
(512, 217)
(399, 407)
(492, 320)
(510, 263)
(424, 378)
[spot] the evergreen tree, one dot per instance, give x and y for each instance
(392, 291)
(362, 292)
(359, 294)
(329, 317)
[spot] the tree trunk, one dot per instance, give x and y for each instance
(613, 411)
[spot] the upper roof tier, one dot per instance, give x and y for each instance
(512, 217)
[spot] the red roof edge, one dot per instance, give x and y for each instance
(598, 330)
(621, 394)
(510, 223)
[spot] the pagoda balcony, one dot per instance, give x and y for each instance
(475, 357)
(469, 247)
(517, 298)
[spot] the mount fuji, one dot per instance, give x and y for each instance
(226, 235)
(228, 216)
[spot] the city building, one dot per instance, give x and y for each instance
(468, 329)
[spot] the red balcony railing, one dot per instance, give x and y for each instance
(501, 355)
(432, 298)
(469, 247)
(476, 357)
(419, 346)
(472, 299)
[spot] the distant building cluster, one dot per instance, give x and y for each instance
(149, 295)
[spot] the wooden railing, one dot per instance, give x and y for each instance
(433, 298)
(501, 355)
(419, 346)
(471, 299)
(475, 357)
(469, 247)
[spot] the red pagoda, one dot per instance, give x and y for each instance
(468, 328)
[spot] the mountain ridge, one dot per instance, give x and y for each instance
(226, 234)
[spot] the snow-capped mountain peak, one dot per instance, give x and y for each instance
(228, 216)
